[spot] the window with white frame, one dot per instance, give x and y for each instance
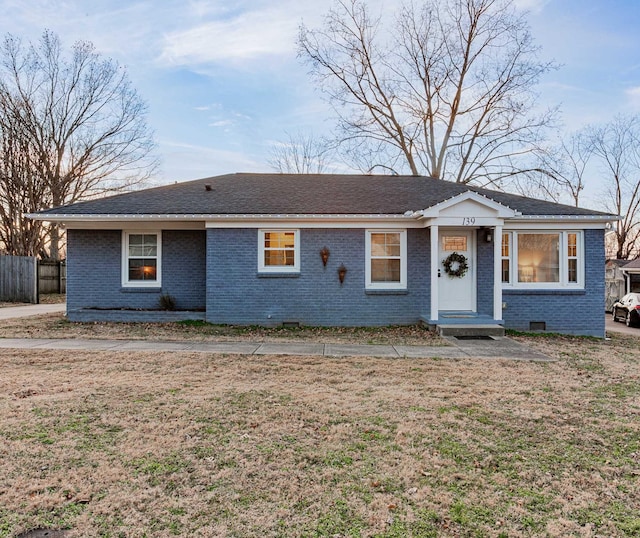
(542, 259)
(386, 259)
(279, 251)
(141, 259)
(506, 257)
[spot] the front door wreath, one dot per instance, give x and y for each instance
(455, 265)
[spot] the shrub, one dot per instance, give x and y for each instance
(167, 302)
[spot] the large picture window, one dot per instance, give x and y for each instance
(538, 257)
(542, 259)
(386, 253)
(278, 251)
(141, 259)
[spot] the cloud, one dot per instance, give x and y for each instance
(125, 30)
(221, 123)
(247, 37)
(534, 6)
(183, 161)
(633, 97)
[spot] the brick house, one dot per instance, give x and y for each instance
(332, 250)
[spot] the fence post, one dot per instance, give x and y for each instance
(36, 280)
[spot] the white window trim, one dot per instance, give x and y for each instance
(563, 246)
(295, 268)
(402, 285)
(126, 283)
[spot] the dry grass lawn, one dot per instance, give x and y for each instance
(56, 326)
(190, 444)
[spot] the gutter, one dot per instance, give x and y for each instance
(74, 217)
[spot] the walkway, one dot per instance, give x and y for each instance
(10, 312)
(495, 348)
(498, 348)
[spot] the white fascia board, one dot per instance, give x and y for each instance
(66, 217)
(230, 221)
(137, 224)
(314, 221)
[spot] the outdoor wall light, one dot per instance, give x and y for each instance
(342, 272)
(488, 235)
(324, 254)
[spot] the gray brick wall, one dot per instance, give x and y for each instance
(237, 294)
(234, 292)
(570, 311)
(484, 279)
(94, 271)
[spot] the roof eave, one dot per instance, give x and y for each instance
(590, 218)
(67, 217)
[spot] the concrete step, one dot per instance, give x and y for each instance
(469, 329)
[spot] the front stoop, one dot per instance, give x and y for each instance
(469, 330)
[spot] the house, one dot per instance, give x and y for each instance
(335, 250)
(631, 271)
(615, 282)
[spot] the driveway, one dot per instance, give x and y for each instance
(11, 312)
(620, 327)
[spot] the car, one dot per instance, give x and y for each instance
(627, 309)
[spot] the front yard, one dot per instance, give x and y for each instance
(168, 444)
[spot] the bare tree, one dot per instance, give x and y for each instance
(301, 154)
(561, 171)
(447, 89)
(82, 124)
(615, 147)
(19, 192)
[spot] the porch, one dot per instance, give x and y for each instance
(465, 324)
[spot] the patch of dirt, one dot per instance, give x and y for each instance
(47, 298)
(8, 305)
(52, 298)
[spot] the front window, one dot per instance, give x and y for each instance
(538, 257)
(141, 259)
(386, 260)
(279, 251)
(542, 259)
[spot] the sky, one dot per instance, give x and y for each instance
(223, 82)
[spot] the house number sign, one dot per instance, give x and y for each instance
(468, 221)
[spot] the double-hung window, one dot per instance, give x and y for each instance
(542, 259)
(386, 260)
(141, 259)
(279, 251)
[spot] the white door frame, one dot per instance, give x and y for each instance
(497, 271)
(471, 277)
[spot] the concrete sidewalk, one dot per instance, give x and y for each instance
(10, 312)
(498, 348)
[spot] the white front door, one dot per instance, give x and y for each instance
(456, 292)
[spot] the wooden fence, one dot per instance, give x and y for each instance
(52, 276)
(18, 279)
(24, 278)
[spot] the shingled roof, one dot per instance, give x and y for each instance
(300, 194)
(634, 264)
